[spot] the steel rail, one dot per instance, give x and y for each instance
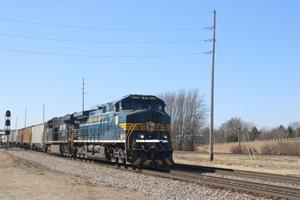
(238, 173)
(259, 189)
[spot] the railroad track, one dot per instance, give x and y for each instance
(253, 188)
(238, 173)
(192, 174)
(259, 189)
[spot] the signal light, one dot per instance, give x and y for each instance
(7, 122)
(8, 113)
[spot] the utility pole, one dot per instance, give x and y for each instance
(43, 113)
(16, 124)
(83, 93)
(25, 117)
(211, 133)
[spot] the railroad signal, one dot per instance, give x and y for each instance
(7, 122)
(8, 113)
(7, 126)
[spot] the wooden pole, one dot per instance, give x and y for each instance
(211, 133)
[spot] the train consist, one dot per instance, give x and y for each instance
(134, 130)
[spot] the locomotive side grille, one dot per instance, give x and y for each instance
(143, 127)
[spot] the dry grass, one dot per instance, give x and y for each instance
(282, 148)
(277, 164)
(285, 147)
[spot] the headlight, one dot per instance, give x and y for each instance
(165, 136)
(142, 136)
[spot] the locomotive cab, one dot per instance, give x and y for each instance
(147, 126)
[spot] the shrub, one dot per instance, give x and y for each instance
(269, 149)
(241, 149)
(281, 148)
(237, 149)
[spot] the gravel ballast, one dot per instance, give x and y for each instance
(256, 180)
(25, 181)
(154, 187)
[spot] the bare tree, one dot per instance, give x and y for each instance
(235, 130)
(295, 126)
(188, 117)
(275, 133)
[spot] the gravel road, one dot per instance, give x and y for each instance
(152, 187)
(22, 181)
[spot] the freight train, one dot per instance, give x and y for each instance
(134, 130)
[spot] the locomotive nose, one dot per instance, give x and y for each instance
(153, 157)
(153, 151)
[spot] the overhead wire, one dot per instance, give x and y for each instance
(102, 11)
(101, 28)
(96, 41)
(100, 42)
(98, 56)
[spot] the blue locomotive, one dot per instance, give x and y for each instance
(134, 130)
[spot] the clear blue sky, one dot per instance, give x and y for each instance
(257, 66)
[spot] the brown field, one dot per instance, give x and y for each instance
(272, 147)
(287, 165)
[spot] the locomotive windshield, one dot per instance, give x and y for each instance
(141, 103)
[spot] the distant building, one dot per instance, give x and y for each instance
(200, 139)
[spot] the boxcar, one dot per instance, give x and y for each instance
(15, 137)
(37, 137)
(27, 132)
(11, 136)
(19, 139)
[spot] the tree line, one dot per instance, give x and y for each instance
(236, 129)
(189, 125)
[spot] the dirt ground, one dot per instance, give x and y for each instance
(19, 181)
(287, 165)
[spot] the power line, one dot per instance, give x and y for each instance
(100, 42)
(100, 28)
(99, 56)
(102, 11)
